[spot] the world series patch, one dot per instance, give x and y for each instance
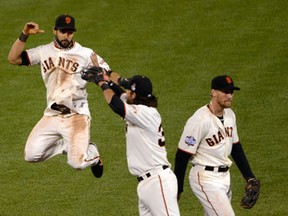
(190, 140)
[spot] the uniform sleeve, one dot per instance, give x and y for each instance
(103, 63)
(141, 115)
(235, 137)
(192, 135)
(34, 55)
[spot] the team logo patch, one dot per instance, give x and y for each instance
(190, 140)
(228, 79)
(67, 20)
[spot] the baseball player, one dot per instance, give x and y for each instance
(145, 142)
(209, 137)
(65, 125)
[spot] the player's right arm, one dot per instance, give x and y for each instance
(111, 89)
(193, 133)
(112, 93)
(14, 56)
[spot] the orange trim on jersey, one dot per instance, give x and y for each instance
(186, 151)
(202, 189)
(162, 192)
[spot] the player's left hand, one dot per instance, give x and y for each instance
(251, 194)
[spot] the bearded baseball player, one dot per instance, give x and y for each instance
(65, 125)
(145, 141)
(209, 137)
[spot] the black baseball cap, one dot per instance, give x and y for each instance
(141, 85)
(65, 21)
(223, 82)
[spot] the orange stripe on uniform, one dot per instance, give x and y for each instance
(163, 195)
(202, 189)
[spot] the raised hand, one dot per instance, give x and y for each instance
(32, 28)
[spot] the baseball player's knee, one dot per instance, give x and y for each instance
(32, 158)
(28, 159)
(75, 163)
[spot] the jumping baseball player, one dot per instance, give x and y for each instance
(209, 137)
(65, 125)
(145, 141)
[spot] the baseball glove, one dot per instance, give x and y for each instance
(93, 74)
(251, 194)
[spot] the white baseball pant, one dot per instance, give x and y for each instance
(45, 140)
(212, 188)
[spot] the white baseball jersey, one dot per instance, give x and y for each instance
(144, 137)
(147, 157)
(60, 69)
(208, 139)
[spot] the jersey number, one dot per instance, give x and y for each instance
(161, 142)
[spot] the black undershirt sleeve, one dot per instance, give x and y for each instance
(117, 105)
(241, 161)
(117, 89)
(25, 59)
(181, 160)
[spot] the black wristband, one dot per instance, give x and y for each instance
(23, 37)
(124, 82)
(111, 83)
(117, 89)
(104, 86)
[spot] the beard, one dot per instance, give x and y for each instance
(65, 43)
(227, 104)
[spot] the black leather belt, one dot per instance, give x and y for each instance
(140, 178)
(61, 108)
(220, 169)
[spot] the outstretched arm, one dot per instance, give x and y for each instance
(113, 76)
(111, 91)
(115, 103)
(14, 56)
(107, 91)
